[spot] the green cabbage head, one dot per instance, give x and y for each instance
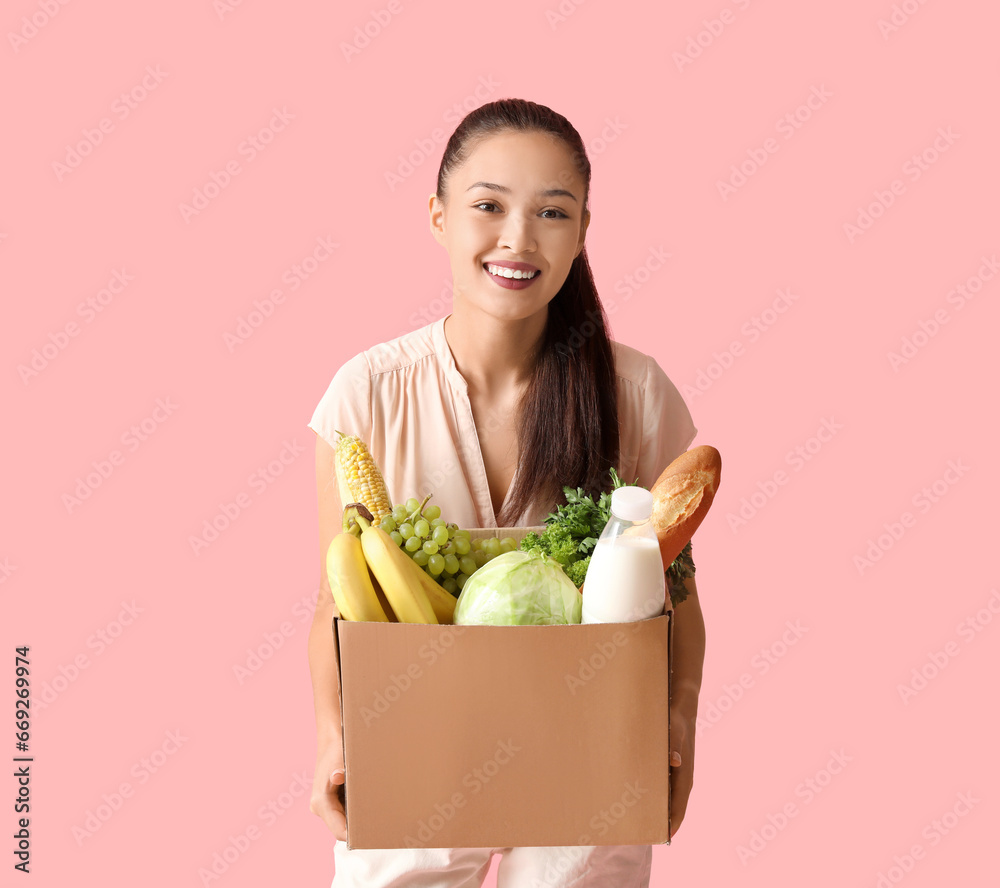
(519, 589)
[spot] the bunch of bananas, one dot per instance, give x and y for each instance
(372, 579)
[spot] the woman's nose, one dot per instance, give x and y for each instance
(517, 234)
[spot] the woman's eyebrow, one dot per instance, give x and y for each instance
(503, 189)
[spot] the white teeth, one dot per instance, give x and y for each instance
(510, 272)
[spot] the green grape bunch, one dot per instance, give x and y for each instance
(444, 551)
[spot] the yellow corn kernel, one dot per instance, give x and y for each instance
(362, 477)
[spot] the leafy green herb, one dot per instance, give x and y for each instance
(681, 568)
(572, 531)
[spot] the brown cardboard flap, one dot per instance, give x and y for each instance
(495, 736)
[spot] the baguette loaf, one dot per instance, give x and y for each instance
(682, 496)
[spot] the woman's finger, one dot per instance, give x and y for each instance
(337, 824)
(329, 810)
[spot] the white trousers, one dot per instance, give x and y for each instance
(580, 866)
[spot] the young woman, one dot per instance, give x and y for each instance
(494, 408)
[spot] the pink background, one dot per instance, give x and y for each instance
(160, 703)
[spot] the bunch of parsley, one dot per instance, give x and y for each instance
(572, 531)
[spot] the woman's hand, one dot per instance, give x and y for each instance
(329, 775)
(689, 655)
(682, 731)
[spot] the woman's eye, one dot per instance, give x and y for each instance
(490, 207)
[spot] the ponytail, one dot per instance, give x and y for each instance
(567, 418)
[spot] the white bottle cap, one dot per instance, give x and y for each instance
(632, 503)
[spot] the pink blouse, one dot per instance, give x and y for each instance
(406, 399)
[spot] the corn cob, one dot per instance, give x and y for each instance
(359, 479)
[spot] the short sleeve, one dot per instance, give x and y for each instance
(346, 404)
(667, 427)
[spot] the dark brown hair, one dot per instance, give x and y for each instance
(567, 422)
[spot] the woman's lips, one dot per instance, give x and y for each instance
(511, 283)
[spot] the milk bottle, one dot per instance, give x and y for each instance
(625, 579)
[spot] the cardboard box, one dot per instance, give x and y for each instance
(505, 736)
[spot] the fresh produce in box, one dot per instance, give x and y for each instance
(445, 552)
(446, 556)
(519, 589)
(398, 576)
(572, 531)
(358, 477)
(387, 563)
(350, 581)
(682, 496)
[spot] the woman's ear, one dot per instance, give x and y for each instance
(436, 209)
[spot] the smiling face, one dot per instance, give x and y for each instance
(512, 221)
